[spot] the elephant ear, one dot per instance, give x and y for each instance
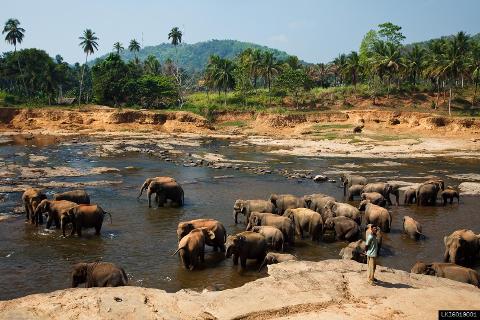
(307, 200)
(190, 226)
(273, 198)
(445, 240)
(255, 220)
(211, 235)
(429, 270)
(241, 239)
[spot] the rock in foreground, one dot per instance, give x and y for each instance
(331, 289)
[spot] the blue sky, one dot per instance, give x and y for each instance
(315, 31)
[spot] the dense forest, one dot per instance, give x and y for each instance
(168, 75)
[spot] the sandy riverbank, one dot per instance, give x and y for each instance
(331, 289)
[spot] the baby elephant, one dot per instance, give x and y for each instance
(412, 228)
(273, 258)
(343, 227)
(354, 190)
(77, 196)
(354, 251)
(375, 198)
(192, 247)
(410, 196)
(448, 270)
(246, 245)
(273, 236)
(98, 274)
(85, 216)
(31, 198)
(449, 194)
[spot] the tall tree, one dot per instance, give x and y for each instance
(474, 67)
(270, 68)
(134, 47)
(175, 35)
(224, 76)
(89, 45)
(118, 47)
(352, 67)
(152, 65)
(414, 61)
(14, 33)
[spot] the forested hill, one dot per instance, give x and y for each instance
(194, 57)
(424, 44)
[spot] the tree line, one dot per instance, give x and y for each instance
(382, 65)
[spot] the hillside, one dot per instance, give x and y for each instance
(194, 57)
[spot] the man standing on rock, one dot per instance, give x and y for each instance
(372, 252)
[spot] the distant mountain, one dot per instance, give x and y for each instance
(425, 44)
(194, 57)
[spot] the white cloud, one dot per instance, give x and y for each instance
(278, 38)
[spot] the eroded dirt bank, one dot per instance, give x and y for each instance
(331, 289)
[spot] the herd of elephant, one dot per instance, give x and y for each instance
(271, 226)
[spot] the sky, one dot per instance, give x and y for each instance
(315, 31)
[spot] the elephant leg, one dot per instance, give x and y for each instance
(235, 259)
(149, 198)
(27, 211)
(49, 221)
(351, 234)
(243, 262)
(57, 223)
(202, 255)
(235, 216)
(161, 200)
(97, 229)
(451, 200)
(72, 233)
(79, 230)
(222, 247)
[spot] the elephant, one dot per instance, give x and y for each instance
(284, 224)
(427, 192)
(215, 226)
(354, 190)
(410, 196)
(461, 247)
(317, 201)
(349, 180)
(166, 191)
(282, 202)
(307, 220)
(375, 198)
(273, 236)
(449, 271)
(385, 189)
(98, 274)
(412, 228)
(56, 210)
(246, 207)
(440, 183)
(376, 215)
(191, 247)
(379, 236)
(147, 182)
(31, 198)
(336, 209)
(77, 196)
(344, 228)
(355, 251)
(449, 194)
(274, 257)
(246, 245)
(85, 216)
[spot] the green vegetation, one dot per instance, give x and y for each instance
(236, 123)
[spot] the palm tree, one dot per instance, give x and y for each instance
(223, 75)
(414, 63)
(386, 61)
(474, 66)
(134, 47)
(152, 65)
(432, 67)
(352, 67)
(89, 45)
(462, 41)
(270, 68)
(452, 65)
(14, 33)
(117, 46)
(176, 36)
(339, 67)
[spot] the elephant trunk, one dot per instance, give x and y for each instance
(228, 252)
(264, 263)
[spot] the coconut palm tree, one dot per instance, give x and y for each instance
(175, 35)
(270, 68)
(352, 67)
(89, 45)
(134, 47)
(117, 46)
(386, 61)
(152, 65)
(462, 41)
(339, 67)
(14, 33)
(223, 76)
(474, 67)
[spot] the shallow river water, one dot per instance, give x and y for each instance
(141, 240)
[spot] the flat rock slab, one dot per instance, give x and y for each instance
(330, 289)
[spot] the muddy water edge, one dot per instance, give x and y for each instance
(141, 240)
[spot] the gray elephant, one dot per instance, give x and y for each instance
(336, 209)
(77, 196)
(427, 192)
(191, 247)
(375, 198)
(98, 274)
(354, 191)
(215, 226)
(343, 227)
(449, 271)
(449, 194)
(246, 207)
(355, 251)
(376, 215)
(273, 236)
(246, 245)
(274, 257)
(385, 189)
(412, 228)
(56, 210)
(284, 224)
(349, 180)
(410, 196)
(306, 220)
(85, 216)
(166, 191)
(461, 247)
(317, 201)
(282, 202)
(147, 182)
(31, 198)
